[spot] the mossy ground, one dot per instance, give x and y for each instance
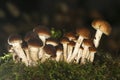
(105, 67)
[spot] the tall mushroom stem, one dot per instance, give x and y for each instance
(98, 36)
(77, 46)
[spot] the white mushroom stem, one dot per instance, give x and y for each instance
(19, 51)
(83, 59)
(91, 57)
(59, 55)
(34, 53)
(98, 36)
(65, 51)
(70, 49)
(76, 48)
(79, 55)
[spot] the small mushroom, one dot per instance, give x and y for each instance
(71, 45)
(64, 41)
(43, 33)
(86, 44)
(71, 36)
(50, 52)
(101, 26)
(83, 33)
(32, 35)
(34, 47)
(92, 51)
(16, 41)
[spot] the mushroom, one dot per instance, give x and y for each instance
(43, 33)
(71, 36)
(32, 35)
(92, 51)
(101, 26)
(71, 45)
(86, 44)
(83, 33)
(59, 53)
(50, 52)
(15, 40)
(64, 41)
(34, 47)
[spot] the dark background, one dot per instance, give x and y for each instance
(22, 15)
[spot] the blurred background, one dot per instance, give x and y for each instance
(21, 16)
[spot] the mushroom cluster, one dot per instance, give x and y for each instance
(38, 45)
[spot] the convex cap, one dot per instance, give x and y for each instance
(84, 32)
(50, 50)
(42, 31)
(30, 35)
(35, 42)
(102, 25)
(14, 38)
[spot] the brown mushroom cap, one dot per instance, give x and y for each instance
(35, 43)
(50, 50)
(64, 40)
(42, 31)
(30, 35)
(70, 36)
(92, 49)
(102, 25)
(59, 48)
(84, 32)
(52, 41)
(71, 43)
(14, 38)
(88, 42)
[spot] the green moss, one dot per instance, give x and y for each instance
(105, 67)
